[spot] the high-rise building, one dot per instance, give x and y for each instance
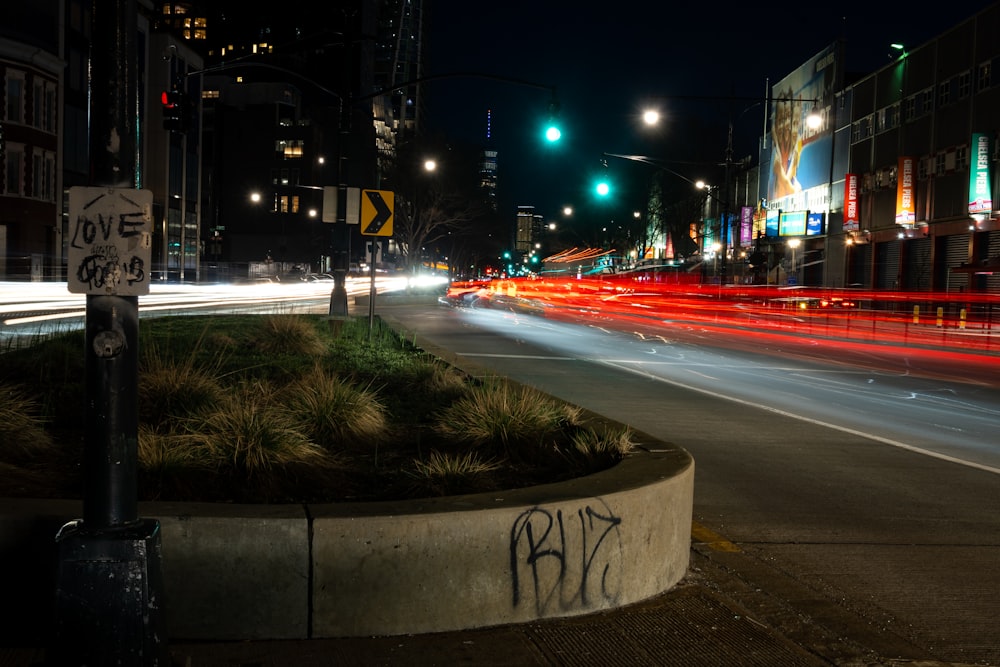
(488, 166)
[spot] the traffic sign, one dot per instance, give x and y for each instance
(376, 212)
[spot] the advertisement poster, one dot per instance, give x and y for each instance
(801, 155)
(904, 193)
(980, 193)
(852, 220)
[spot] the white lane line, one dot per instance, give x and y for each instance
(809, 420)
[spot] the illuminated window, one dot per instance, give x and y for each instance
(286, 203)
(293, 148)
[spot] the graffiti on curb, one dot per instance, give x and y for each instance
(564, 562)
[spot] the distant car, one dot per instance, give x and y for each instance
(318, 278)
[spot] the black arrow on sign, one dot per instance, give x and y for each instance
(382, 212)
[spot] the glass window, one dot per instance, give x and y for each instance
(910, 108)
(14, 169)
(928, 97)
(944, 93)
(983, 78)
(964, 85)
(15, 96)
(961, 157)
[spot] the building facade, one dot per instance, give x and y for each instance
(894, 190)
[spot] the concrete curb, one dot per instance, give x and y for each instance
(235, 572)
(358, 569)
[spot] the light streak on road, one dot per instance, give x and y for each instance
(925, 393)
(25, 304)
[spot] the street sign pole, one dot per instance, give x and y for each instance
(376, 220)
(108, 601)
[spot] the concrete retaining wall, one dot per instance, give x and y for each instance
(354, 569)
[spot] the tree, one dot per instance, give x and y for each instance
(433, 208)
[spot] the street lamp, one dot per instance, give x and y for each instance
(814, 120)
(793, 244)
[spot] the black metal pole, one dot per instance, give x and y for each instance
(108, 598)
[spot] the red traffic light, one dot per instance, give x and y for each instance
(171, 99)
(176, 110)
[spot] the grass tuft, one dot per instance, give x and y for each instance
(444, 474)
(334, 413)
(23, 438)
(513, 421)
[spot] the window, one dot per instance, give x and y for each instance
(961, 157)
(909, 108)
(983, 79)
(939, 164)
(286, 203)
(964, 85)
(43, 180)
(15, 96)
(289, 148)
(944, 93)
(44, 105)
(14, 169)
(928, 98)
(881, 120)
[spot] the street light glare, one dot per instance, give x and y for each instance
(430, 165)
(553, 133)
(651, 117)
(814, 120)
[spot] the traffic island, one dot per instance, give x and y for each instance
(577, 547)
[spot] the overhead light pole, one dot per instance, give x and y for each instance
(725, 227)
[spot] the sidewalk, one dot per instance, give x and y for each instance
(696, 623)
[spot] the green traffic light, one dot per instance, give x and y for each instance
(602, 189)
(553, 134)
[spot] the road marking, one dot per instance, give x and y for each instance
(515, 356)
(809, 420)
(711, 539)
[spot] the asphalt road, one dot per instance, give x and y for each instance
(878, 527)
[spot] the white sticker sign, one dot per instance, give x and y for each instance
(110, 234)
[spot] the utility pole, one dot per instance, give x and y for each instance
(108, 598)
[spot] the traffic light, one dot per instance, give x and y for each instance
(552, 131)
(176, 110)
(602, 188)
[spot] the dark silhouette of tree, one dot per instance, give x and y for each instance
(434, 209)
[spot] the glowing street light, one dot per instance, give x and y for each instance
(793, 244)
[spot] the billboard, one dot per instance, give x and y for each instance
(852, 215)
(980, 195)
(793, 223)
(801, 156)
(904, 193)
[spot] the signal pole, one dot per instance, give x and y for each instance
(108, 598)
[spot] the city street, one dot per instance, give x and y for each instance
(864, 501)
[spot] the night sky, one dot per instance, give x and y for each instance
(608, 60)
